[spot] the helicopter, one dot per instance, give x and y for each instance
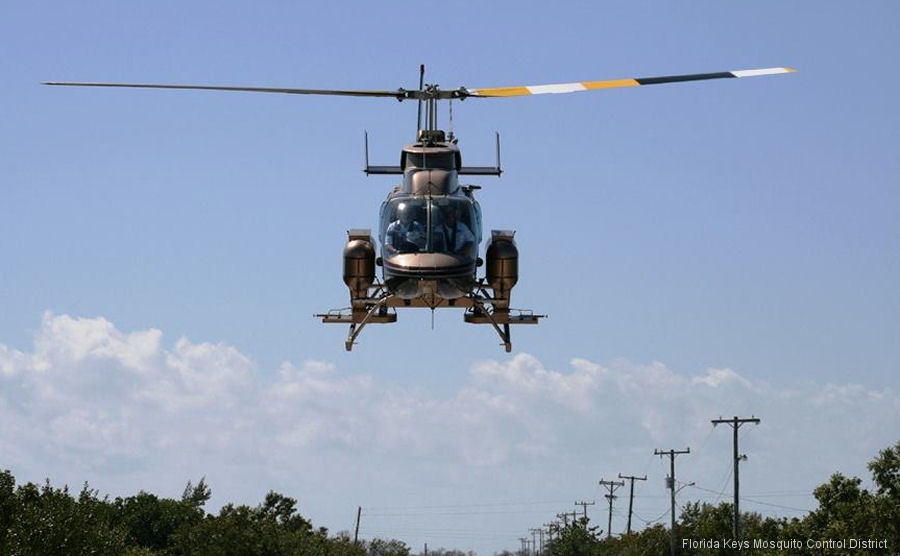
(430, 225)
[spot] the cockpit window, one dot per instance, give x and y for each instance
(405, 227)
(436, 225)
(445, 160)
(453, 227)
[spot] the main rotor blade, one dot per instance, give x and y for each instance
(614, 83)
(400, 94)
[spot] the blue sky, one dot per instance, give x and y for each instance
(743, 226)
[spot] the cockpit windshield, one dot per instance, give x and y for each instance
(434, 225)
(453, 227)
(404, 226)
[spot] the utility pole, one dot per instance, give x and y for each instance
(534, 545)
(736, 423)
(631, 478)
(611, 486)
(524, 542)
(671, 484)
(584, 506)
(565, 517)
(356, 533)
(551, 527)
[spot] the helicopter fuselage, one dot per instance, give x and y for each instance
(429, 234)
(430, 227)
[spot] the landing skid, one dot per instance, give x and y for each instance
(484, 313)
(480, 308)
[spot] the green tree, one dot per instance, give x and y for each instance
(196, 496)
(50, 521)
(390, 547)
(845, 509)
(7, 507)
(46, 520)
(272, 528)
(575, 539)
(152, 523)
(886, 473)
(652, 540)
(704, 521)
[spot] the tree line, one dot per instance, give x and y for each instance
(46, 520)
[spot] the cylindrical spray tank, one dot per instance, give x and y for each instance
(359, 262)
(502, 264)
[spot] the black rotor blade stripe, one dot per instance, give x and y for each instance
(677, 78)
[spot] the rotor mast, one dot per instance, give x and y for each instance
(431, 110)
(429, 94)
(430, 132)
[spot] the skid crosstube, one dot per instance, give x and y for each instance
(479, 306)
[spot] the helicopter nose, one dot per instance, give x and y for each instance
(432, 182)
(429, 264)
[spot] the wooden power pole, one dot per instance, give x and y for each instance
(631, 478)
(671, 484)
(736, 423)
(584, 506)
(611, 486)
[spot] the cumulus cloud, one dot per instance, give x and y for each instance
(128, 410)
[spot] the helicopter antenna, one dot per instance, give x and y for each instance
(421, 84)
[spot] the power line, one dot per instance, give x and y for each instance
(648, 522)
(723, 482)
(749, 499)
(457, 512)
(457, 506)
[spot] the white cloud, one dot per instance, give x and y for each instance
(128, 412)
(12, 361)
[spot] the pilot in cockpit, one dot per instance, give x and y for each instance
(405, 234)
(452, 235)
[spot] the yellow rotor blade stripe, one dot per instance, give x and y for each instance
(504, 92)
(610, 84)
(572, 87)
